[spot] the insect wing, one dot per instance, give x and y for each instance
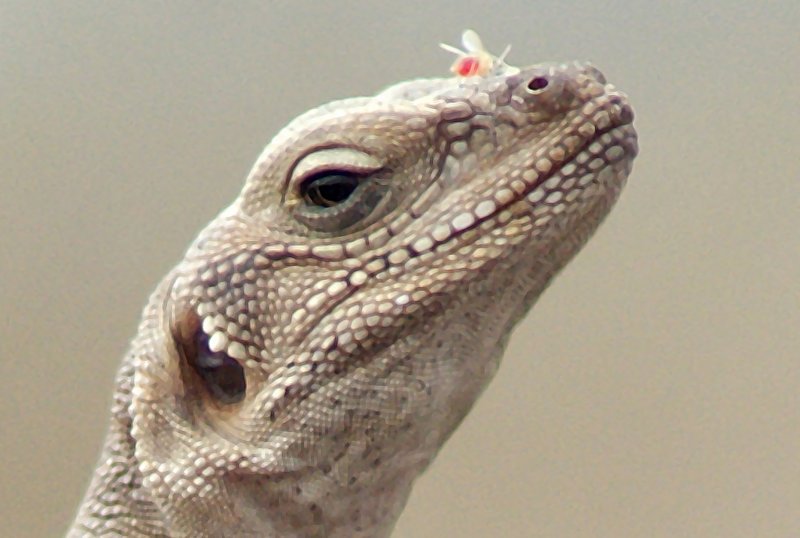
(472, 41)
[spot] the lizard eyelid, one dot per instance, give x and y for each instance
(332, 160)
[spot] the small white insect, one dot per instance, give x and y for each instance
(475, 60)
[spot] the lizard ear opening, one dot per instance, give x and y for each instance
(220, 376)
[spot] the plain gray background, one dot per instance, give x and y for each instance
(653, 391)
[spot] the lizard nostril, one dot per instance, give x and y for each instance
(538, 84)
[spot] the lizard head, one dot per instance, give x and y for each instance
(327, 332)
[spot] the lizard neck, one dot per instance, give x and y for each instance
(304, 503)
(116, 501)
(311, 504)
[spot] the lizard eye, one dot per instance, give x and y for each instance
(339, 187)
(329, 189)
(222, 376)
(334, 200)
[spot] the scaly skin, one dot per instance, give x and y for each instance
(302, 365)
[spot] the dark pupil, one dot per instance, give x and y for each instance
(222, 375)
(330, 190)
(538, 83)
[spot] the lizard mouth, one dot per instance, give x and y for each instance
(599, 166)
(599, 159)
(608, 151)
